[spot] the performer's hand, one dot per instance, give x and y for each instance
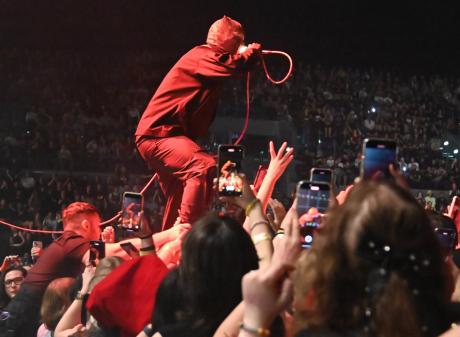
(256, 46)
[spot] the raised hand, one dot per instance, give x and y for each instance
(279, 161)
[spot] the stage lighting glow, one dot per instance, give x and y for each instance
(446, 143)
(455, 151)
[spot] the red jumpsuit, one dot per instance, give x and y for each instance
(180, 111)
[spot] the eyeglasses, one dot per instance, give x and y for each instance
(17, 281)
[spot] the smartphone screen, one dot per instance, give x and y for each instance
(130, 249)
(230, 157)
(96, 250)
(377, 156)
(132, 206)
(261, 173)
(321, 175)
(312, 203)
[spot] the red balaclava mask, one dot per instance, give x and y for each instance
(226, 34)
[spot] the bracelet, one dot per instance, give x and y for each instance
(148, 330)
(261, 237)
(254, 225)
(262, 332)
(280, 232)
(147, 249)
(250, 206)
(145, 237)
(79, 296)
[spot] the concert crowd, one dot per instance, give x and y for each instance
(380, 253)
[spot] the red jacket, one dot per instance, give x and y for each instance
(186, 100)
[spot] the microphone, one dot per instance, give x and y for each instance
(243, 48)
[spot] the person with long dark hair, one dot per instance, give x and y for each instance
(197, 296)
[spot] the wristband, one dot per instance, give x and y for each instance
(148, 330)
(80, 296)
(262, 332)
(261, 237)
(145, 237)
(280, 232)
(254, 225)
(250, 206)
(147, 249)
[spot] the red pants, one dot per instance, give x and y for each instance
(186, 173)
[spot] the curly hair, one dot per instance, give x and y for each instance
(333, 277)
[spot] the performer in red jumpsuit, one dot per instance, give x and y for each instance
(181, 111)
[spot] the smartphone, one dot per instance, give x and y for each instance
(96, 250)
(132, 206)
(130, 249)
(454, 214)
(446, 237)
(377, 155)
(321, 175)
(312, 203)
(38, 244)
(260, 175)
(229, 166)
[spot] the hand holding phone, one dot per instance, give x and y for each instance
(377, 156)
(132, 207)
(96, 251)
(321, 175)
(312, 203)
(37, 247)
(130, 249)
(229, 167)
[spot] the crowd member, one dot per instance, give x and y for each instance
(71, 322)
(182, 110)
(56, 299)
(217, 252)
(12, 278)
(375, 260)
(65, 257)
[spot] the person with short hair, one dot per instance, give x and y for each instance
(65, 257)
(182, 110)
(10, 283)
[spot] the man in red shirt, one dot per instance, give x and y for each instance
(65, 257)
(181, 111)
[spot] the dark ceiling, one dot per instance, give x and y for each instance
(423, 35)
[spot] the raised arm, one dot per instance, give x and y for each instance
(71, 320)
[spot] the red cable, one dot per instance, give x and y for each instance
(277, 52)
(284, 79)
(155, 176)
(246, 121)
(30, 230)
